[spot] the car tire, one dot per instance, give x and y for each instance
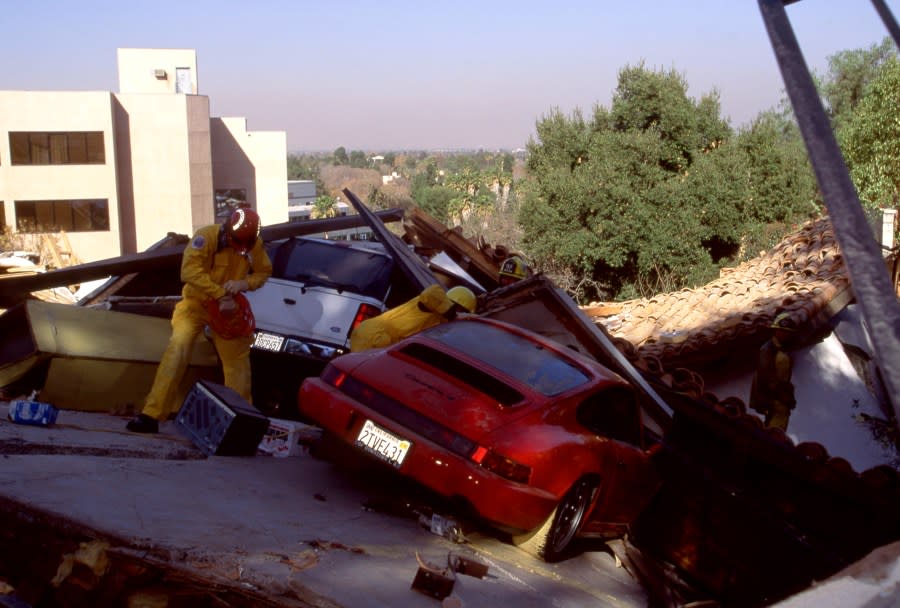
(551, 539)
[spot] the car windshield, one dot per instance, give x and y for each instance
(528, 362)
(334, 264)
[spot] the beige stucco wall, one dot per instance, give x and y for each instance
(62, 111)
(200, 158)
(255, 161)
(163, 154)
(269, 151)
(137, 69)
(170, 176)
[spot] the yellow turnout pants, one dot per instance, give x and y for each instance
(188, 321)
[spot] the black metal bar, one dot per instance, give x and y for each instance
(888, 18)
(13, 289)
(862, 255)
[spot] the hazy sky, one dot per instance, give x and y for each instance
(421, 73)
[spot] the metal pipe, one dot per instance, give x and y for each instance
(888, 18)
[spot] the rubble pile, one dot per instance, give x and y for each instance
(731, 481)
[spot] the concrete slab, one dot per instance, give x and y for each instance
(297, 530)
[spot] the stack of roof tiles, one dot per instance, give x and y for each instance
(802, 275)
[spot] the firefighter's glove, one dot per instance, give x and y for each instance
(233, 287)
(227, 306)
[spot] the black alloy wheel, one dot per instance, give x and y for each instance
(569, 515)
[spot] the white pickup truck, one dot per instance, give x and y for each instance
(319, 291)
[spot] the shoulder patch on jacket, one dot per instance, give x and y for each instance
(199, 242)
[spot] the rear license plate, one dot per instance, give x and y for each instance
(266, 341)
(382, 444)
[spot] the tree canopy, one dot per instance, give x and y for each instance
(849, 74)
(656, 191)
(861, 91)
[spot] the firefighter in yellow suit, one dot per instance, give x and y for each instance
(432, 307)
(220, 262)
(772, 392)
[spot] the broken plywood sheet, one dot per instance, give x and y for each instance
(119, 387)
(34, 332)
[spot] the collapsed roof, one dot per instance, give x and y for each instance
(804, 275)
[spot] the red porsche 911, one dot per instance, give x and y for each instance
(542, 443)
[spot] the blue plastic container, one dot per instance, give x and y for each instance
(32, 412)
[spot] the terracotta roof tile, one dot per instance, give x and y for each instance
(801, 275)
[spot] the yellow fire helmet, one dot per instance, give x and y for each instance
(462, 296)
(784, 321)
(515, 268)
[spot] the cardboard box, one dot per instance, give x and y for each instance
(282, 439)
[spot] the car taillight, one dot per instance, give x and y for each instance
(501, 465)
(333, 376)
(365, 311)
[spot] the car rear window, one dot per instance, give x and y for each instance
(528, 362)
(334, 264)
(478, 379)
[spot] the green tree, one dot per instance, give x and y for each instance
(655, 192)
(304, 166)
(849, 74)
(781, 184)
(340, 156)
(473, 194)
(436, 201)
(870, 140)
(323, 207)
(427, 176)
(658, 102)
(358, 159)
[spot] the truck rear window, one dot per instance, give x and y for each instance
(334, 264)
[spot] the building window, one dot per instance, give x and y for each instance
(183, 82)
(57, 148)
(227, 200)
(82, 215)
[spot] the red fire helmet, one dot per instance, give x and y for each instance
(239, 324)
(243, 228)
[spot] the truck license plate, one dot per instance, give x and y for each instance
(266, 341)
(382, 444)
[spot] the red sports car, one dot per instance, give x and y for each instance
(542, 443)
